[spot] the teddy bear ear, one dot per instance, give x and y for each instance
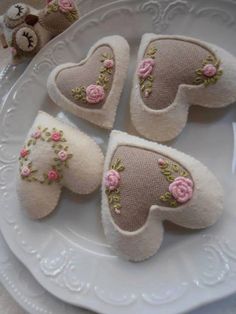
(56, 155)
(91, 89)
(174, 72)
(145, 183)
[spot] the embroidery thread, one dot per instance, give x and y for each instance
(60, 161)
(95, 93)
(180, 188)
(112, 183)
(210, 72)
(67, 7)
(145, 70)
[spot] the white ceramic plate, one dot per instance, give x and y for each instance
(26, 290)
(35, 300)
(67, 252)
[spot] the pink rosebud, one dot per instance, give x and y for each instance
(112, 180)
(108, 63)
(209, 70)
(181, 189)
(24, 152)
(94, 94)
(25, 171)
(66, 5)
(53, 175)
(13, 51)
(145, 67)
(62, 155)
(56, 136)
(161, 162)
(36, 134)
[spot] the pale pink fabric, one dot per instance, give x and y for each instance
(84, 75)
(175, 64)
(141, 185)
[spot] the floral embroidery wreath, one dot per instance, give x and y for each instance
(95, 93)
(67, 7)
(60, 161)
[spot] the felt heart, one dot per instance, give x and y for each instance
(56, 155)
(91, 89)
(146, 183)
(173, 73)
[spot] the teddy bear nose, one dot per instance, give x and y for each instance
(31, 19)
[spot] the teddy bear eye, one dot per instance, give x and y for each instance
(17, 11)
(26, 39)
(20, 9)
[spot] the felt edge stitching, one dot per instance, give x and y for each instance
(105, 116)
(116, 235)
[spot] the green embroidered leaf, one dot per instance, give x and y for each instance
(143, 88)
(170, 178)
(199, 71)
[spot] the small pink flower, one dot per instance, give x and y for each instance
(145, 67)
(161, 162)
(56, 136)
(108, 63)
(13, 51)
(62, 155)
(53, 175)
(66, 5)
(209, 70)
(94, 94)
(24, 152)
(36, 134)
(25, 171)
(112, 180)
(181, 189)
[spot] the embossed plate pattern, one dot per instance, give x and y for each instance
(67, 252)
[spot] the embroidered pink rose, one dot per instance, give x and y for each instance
(24, 152)
(145, 67)
(209, 70)
(112, 180)
(36, 134)
(94, 94)
(108, 63)
(66, 5)
(56, 136)
(25, 171)
(53, 175)
(181, 189)
(62, 155)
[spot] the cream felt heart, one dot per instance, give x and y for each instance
(173, 73)
(56, 155)
(147, 183)
(26, 30)
(91, 89)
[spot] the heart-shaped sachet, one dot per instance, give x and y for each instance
(91, 89)
(146, 183)
(56, 155)
(173, 73)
